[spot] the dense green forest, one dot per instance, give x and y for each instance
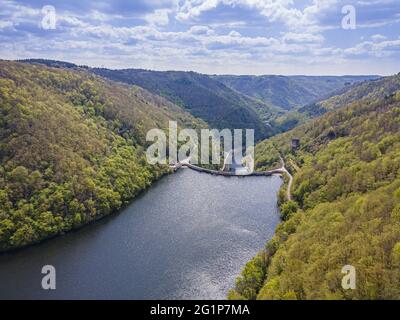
(298, 96)
(203, 97)
(268, 104)
(71, 148)
(72, 151)
(289, 92)
(378, 88)
(346, 207)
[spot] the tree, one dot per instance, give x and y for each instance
(287, 209)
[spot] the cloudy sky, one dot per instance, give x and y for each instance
(208, 36)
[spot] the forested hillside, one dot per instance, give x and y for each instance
(71, 148)
(378, 88)
(346, 208)
(268, 104)
(289, 92)
(203, 97)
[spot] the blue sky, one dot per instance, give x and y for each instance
(209, 36)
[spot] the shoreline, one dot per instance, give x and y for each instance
(280, 172)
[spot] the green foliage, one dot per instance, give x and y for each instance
(267, 104)
(348, 197)
(251, 279)
(288, 92)
(377, 89)
(267, 156)
(71, 149)
(287, 209)
(202, 96)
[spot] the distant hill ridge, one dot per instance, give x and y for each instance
(268, 104)
(290, 92)
(345, 208)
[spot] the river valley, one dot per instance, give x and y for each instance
(187, 237)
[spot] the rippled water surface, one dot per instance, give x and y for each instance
(187, 237)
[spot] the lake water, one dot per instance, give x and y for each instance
(187, 237)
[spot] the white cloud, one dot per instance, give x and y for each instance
(293, 37)
(234, 33)
(159, 17)
(193, 8)
(5, 24)
(303, 37)
(201, 30)
(274, 10)
(71, 21)
(378, 37)
(375, 48)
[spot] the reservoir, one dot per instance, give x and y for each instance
(187, 237)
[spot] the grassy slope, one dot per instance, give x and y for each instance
(346, 209)
(71, 148)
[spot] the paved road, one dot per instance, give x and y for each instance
(289, 188)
